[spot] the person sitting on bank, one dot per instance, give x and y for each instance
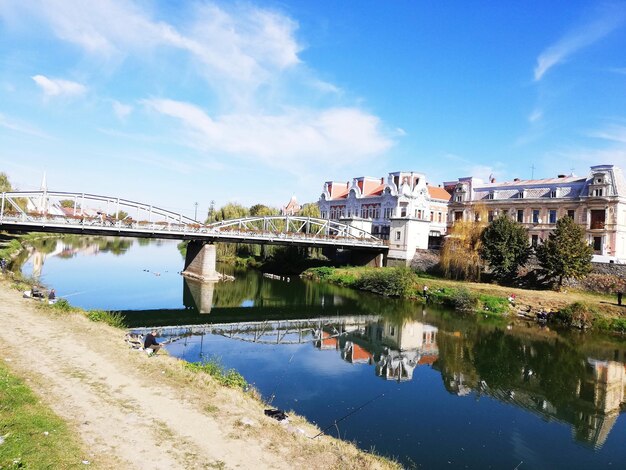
(52, 295)
(150, 342)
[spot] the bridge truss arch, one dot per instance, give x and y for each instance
(90, 214)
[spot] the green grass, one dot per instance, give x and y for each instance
(213, 367)
(114, 319)
(23, 424)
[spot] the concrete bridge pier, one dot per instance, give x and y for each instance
(200, 261)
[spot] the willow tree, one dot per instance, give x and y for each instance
(460, 254)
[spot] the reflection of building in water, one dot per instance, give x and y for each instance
(356, 354)
(549, 380)
(396, 349)
(604, 389)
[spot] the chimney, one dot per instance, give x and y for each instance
(515, 179)
(561, 176)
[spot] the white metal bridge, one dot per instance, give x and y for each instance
(89, 214)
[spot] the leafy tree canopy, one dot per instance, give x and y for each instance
(231, 210)
(5, 184)
(260, 210)
(565, 253)
(505, 247)
(310, 210)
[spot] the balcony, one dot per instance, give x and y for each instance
(597, 225)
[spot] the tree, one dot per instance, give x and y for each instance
(261, 210)
(230, 211)
(565, 253)
(460, 254)
(310, 210)
(5, 184)
(505, 247)
(67, 203)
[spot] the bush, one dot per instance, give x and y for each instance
(229, 378)
(578, 315)
(464, 301)
(322, 273)
(115, 319)
(396, 282)
(62, 305)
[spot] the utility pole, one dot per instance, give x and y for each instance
(195, 215)
(211, 210)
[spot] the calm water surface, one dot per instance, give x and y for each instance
(439, 391)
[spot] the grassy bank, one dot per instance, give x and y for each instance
(31, 435)
(575, 309)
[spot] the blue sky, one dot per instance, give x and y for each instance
(171, 102)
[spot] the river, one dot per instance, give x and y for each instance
(426, 386)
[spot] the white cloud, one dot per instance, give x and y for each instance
(535, 116)
(21, 127)
(609, 20)
(122, 111)
(613, 133)
(244, 45)
(58, 87)
(295, 139)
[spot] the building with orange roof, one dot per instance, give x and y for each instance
(596, 201)
(292, 207)
(403, 208)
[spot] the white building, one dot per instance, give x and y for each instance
(405, 209)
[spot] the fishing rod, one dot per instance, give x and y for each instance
(273, 395)
(337, 421)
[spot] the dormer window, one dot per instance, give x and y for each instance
(597, 192)
(458, 198)
(553, 193)
(520, 194)
(490, 195)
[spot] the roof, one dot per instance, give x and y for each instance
(538, 182)
(435, 192)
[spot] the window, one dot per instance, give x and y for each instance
(324, 214)
(377, 213)
(534, 241)
(388, 212)
(571, 214)
(439, 216)
(490, 216)
(553, 193)
(597, 192)
(458, 198)
(403, 207)
(535, 216)
(370, 213)
(398, 234)
(458, 215)
(520, 195)
(597, 244)
(490, 195)
(520, 215)
(364, 212)
(432, 216)
(419, 213)
(553, 216)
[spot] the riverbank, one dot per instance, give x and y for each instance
(130, 409)
(578, 309)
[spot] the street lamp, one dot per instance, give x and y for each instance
(195, 215)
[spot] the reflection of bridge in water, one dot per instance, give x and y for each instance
(294, 331)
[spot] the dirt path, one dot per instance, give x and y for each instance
(132, 411)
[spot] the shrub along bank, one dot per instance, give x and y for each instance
(405, 283)
(580, 310)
